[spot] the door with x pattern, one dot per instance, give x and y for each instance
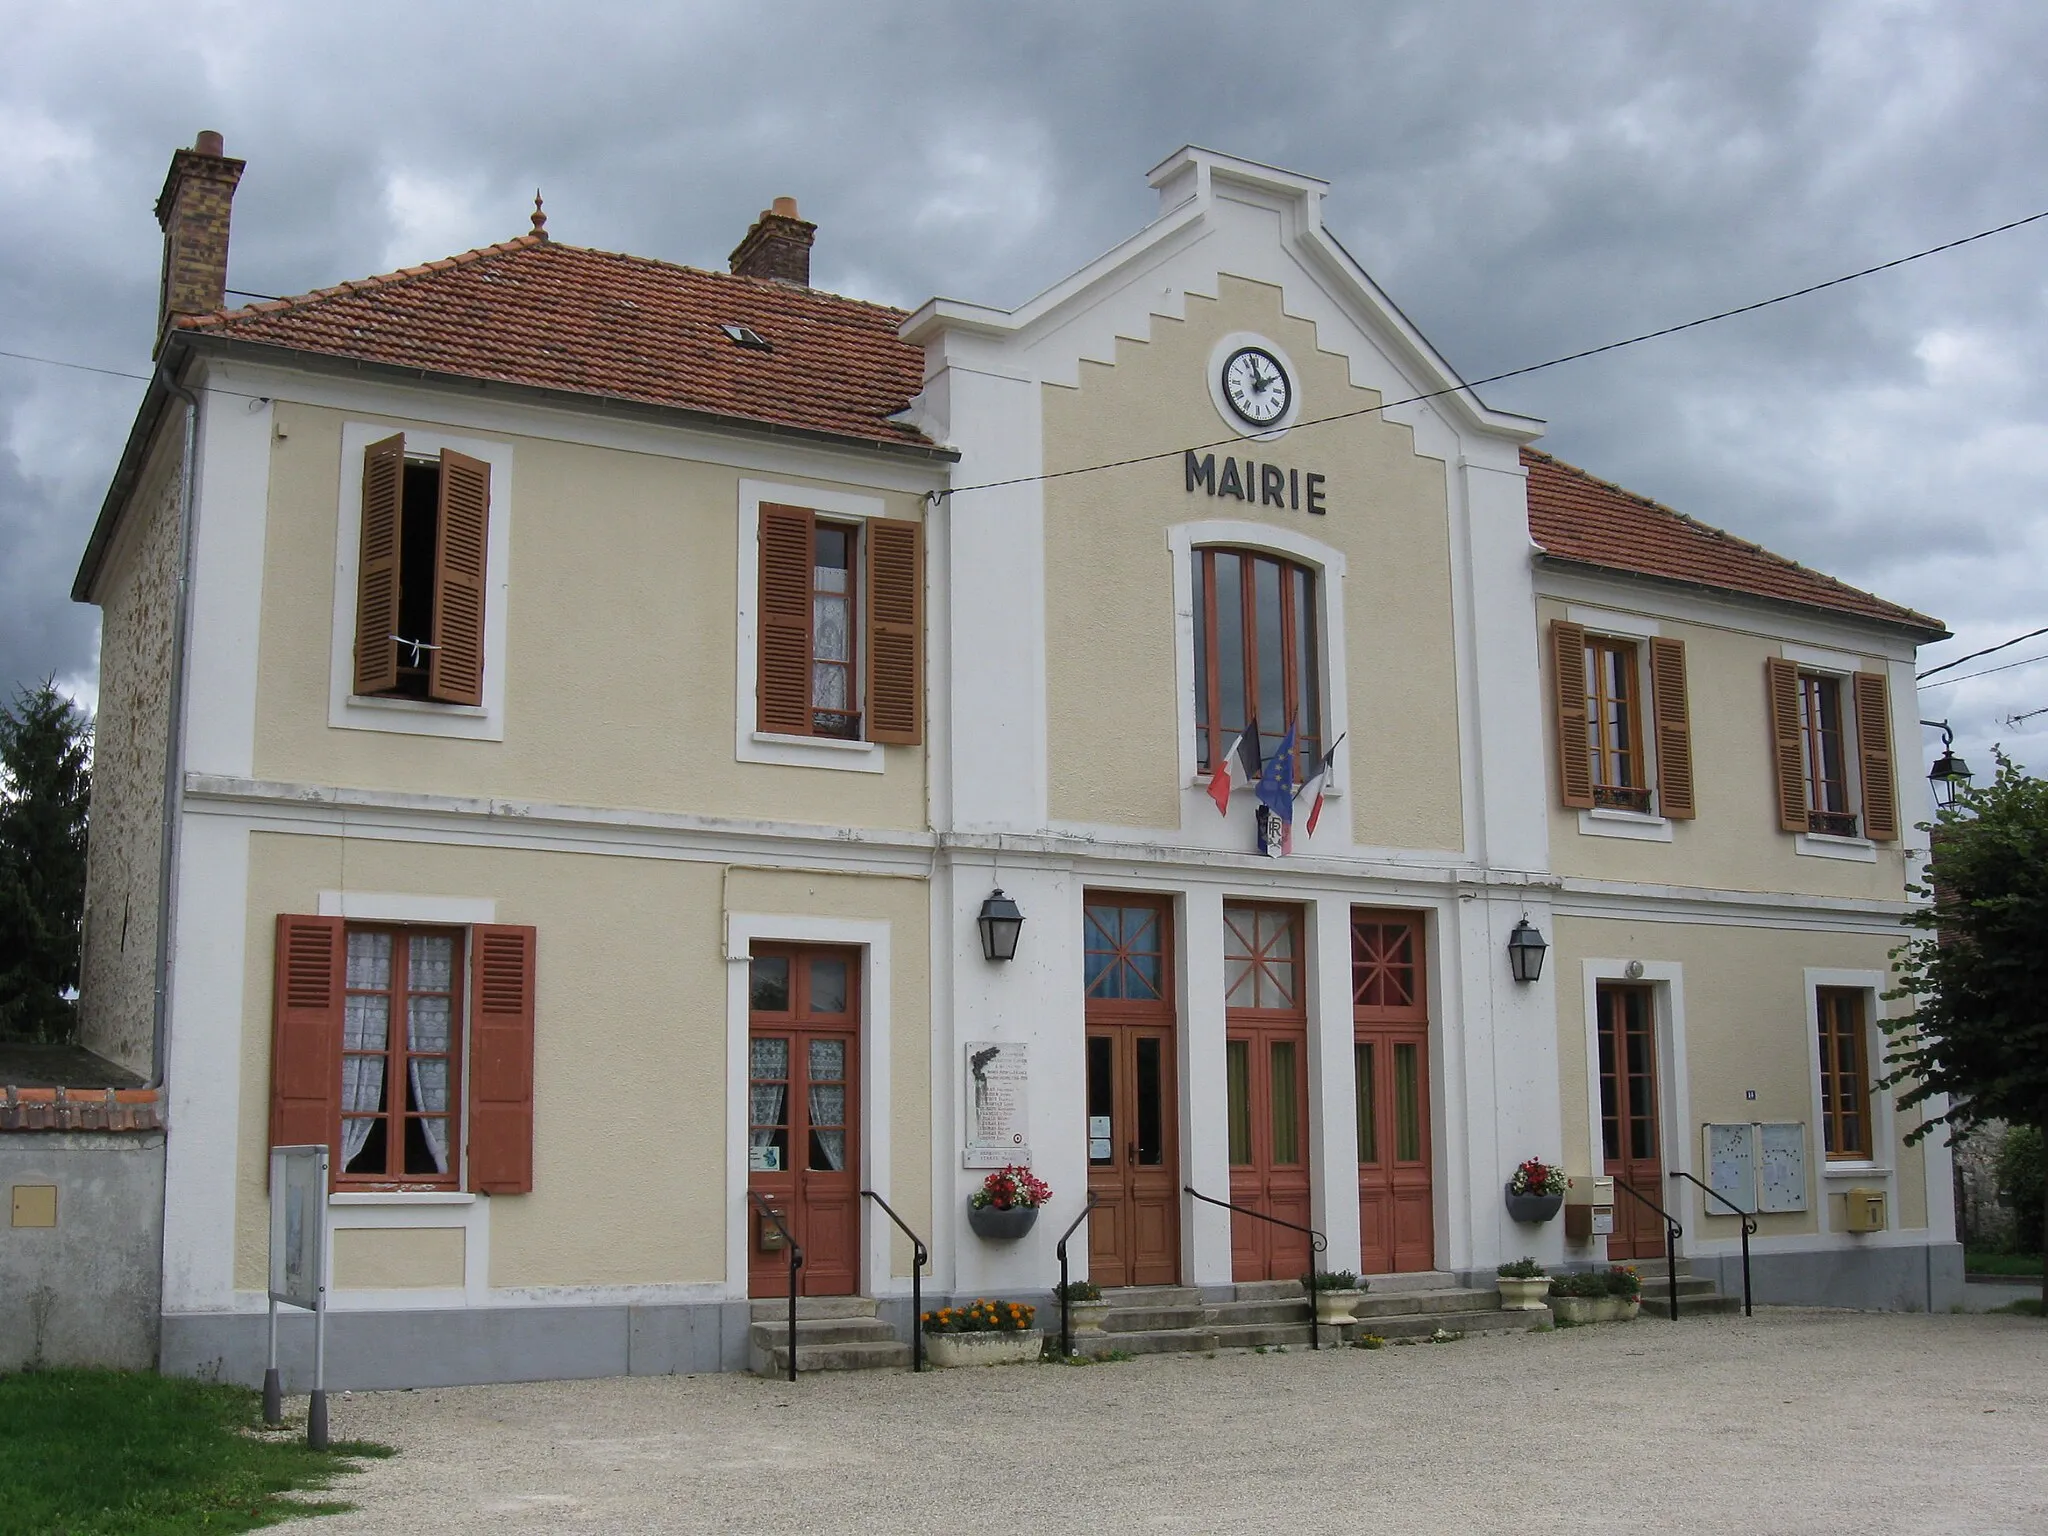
(1133, 1140)
(1265, 1017)
(803, 1131)
(1390, 1064)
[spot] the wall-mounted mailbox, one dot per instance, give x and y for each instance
(770, 1238)
(1588, 1207)
(35, 1205)
(1863, 1210)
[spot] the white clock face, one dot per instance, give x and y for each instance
(1256, 386)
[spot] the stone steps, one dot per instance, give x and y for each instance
(1273, 1314)
(833, 1333)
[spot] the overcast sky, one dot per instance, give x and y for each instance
(1524, 180)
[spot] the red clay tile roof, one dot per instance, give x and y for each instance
(1576, 517)
(536, 312)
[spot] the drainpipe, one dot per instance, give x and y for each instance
(174, 743)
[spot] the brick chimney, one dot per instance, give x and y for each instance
(193, 212)
(778, 246)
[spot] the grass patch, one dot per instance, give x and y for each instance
(2023, 1264)
(109, 1453)
(2026, 1306)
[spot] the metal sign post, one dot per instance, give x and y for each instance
(298, 1273)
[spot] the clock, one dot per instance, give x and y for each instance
(1256, 386)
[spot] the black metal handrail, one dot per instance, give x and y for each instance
(796, 1262)
(1672, 1232)
(1317, 1243)
(1748, 1231)
(919, 1254)
(1060, 1252)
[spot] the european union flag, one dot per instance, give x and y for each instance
(1276, 779)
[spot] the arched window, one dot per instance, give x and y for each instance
(1255, 655)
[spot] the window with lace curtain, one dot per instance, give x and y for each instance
(401, 1057)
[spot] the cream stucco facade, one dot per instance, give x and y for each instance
(612, 797)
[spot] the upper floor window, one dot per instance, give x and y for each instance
(1255, 655)
(1606, 735)
(420, 575)
(1614, 728)
(840, 656)
(1832, 751)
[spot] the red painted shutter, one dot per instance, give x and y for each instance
(1874, 747)
(377, 566)
(305, 1031)
(895, 632)
(455, 667)
(1788, 754)
(501, 1059)
(784, 663)
(1574, 751)
(1674, 729)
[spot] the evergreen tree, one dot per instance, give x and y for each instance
(1978, 972)
(45, 783)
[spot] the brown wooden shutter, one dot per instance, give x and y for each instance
(501, 1059)
(783, 681)
(1781, 683)
(1574, 751)
(455, 667)
(1874, 747)
(1674, 729)
(895, 632)
(305, 1031)
(377, 570)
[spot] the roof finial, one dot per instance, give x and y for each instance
(540, 218)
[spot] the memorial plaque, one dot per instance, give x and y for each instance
(998, 1120)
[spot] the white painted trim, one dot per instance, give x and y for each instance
(872, 938)
(749, 744)
(230, 492)
(1666, 981)
(1823, 845)
(1603, 821)
(1182, 540)
(402, 1197)
(404, 907)
(402, 1211)
(1883, 1115)
(1814, 659)
(1220, 353)
(419, 717)
(1607, 621)
(1729, 612)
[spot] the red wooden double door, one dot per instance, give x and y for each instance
(1629, 1096)
(1390, 1070)
(1132, 1087)
(803, 1117)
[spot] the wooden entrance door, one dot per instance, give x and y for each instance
(803, 1131)
(1133, 1148)
(1390, 1063)
(1266, 1073)
(1628, 1117)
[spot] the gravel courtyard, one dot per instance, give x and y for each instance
(1797, 1421)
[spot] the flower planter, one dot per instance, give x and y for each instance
(1532, 1207)
(1334, 1307)
(1001, 1225)
(950, 1349)
(1086, 1316)
(1594, 1309)
(1523, 1294)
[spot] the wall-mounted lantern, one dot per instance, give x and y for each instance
(1950, 773)
(1000, 923)
(1526, 949)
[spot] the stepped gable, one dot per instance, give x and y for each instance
(1576, 518)
(536, 312)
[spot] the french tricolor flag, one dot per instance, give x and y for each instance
(1237, 768)
(1317, 783)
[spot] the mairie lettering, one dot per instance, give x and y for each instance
(1260, 485)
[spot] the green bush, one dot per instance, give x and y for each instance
(1333, 1280)
(1077, 1290)
(1619, 1281)
(1521, 1269)
(2022, 1168)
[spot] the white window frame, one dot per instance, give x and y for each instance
(1877, 1169)
(751, 745)
(1666, 981)
(348, 710)
(1182, 540)
(1651, 826)
(1843, 667)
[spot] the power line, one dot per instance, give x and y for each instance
(2002, 645)
(1988, 671)
(1515, 373)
